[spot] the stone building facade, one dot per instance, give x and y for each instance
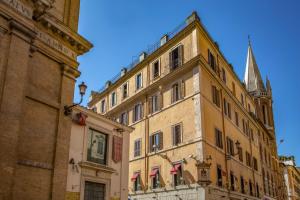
(291, 175)
(38, 66)
(200, 132)
(98, 158)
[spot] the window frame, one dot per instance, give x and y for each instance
(127, 90)
(174, 141)
(138, 86)
(155, 75)
(137, 152)
(113, 99)
(219, 140)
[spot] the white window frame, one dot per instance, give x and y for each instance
(115, 99)
(136, 82)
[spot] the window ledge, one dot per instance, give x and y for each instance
(95, 166)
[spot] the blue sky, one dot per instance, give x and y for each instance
(121, 29)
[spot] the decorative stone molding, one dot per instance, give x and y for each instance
(77, 42)
(31, 163)
(41, 7)
(18, 28)
(70, 71)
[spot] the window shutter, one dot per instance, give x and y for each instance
(142, 111)
(160, 141)
(208, 56)
(171, 60)
(228, 145)
(150, 104)
(133, 114)
(173, 135)
(180, 55)
(150, 143)
(182, 89)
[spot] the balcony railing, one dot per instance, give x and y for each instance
(148, 51)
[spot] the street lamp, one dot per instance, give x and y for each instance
(82, 90)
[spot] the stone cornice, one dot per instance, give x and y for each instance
(70, 72)
(77, 42)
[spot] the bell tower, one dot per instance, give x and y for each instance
(261, 93)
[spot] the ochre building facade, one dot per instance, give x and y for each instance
(291, 175)
(39, 45)
(200, 133)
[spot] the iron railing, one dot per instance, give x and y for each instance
(152, 48)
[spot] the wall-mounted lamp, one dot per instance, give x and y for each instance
(82, 90)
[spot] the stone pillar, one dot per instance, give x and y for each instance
(11, 102)
(63, 134)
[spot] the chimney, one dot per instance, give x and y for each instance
(107, 84)
(142, 56)
(164, 39)
(123, 71)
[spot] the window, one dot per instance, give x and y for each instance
(155, 69)
(233, 88)
(97, 147)
(124, 118)
(156, 142)
(255, 164)
(176, 57)
(223, 75)
(230, 146)
(176, 134)
(257, 190)
(250, 187)
(155, 178)
(240, 153)
(137, 112)
(227, 109)
(244, 125)
(265, 114)
(137, 147)
(216, 96)
(242, 185)
(232, 181)
(219, 138)
(125, 91)
(154, 104)
(113, 99)
(138, 81)
(237, 119)
(219, 176)
(212, 61)
(248, 159)
(94, 191)
(103, 106)
(136, 179)
(176, 171)
(242, 99)
(175, 92)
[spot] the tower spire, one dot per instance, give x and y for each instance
(252, 78)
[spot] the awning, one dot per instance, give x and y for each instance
(135, 175)
(154, 172)
(175, 168)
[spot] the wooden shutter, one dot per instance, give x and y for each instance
(208, 57)
(133, 114)
(150, 143)
(182, 89)
(173, 135)
(142, 111)
(160, 140)
(180, 55)
(117, 149)
(150, 103)
(171, 63)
